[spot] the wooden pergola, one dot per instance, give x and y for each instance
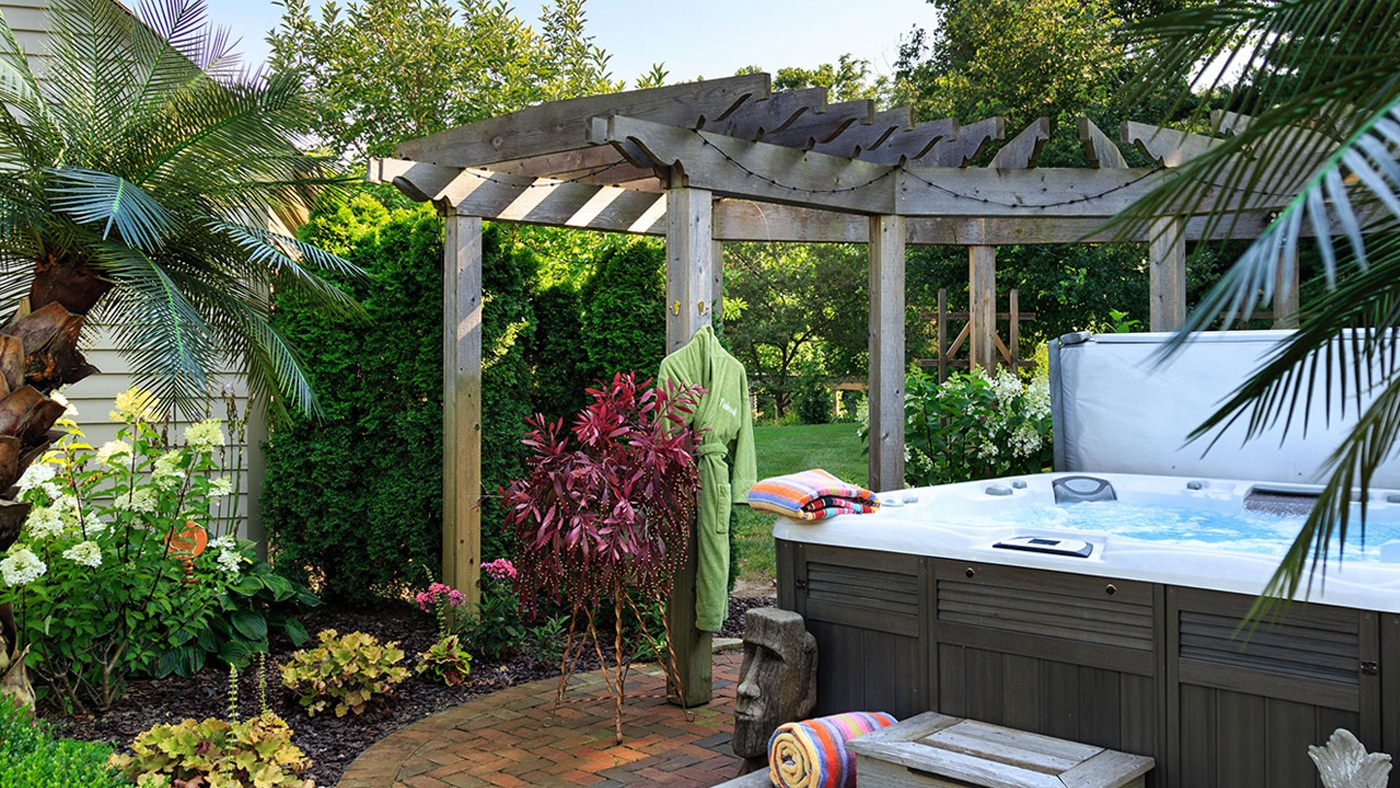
(729, 160)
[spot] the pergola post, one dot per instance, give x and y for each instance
(690, 279)
(1286, 300)
(461, 397)
(1167, 274)
(982, 307)
(886, 352)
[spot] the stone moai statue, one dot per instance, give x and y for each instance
(777, 683)
(1344, 763)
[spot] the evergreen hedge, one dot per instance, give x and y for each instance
(624, 311)
(355, 499)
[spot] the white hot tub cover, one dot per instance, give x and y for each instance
(1117, 409)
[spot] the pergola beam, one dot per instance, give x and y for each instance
(771, 115)
(815, 128)
(868, 136)
(966, 145)
(624, 210)
(737, 168)
(1167, 147)
(1023, 151)
(559, 126)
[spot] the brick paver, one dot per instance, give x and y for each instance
(511, 738)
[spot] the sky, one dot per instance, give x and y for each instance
(709, 38)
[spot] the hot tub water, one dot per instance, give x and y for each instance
(1190, 527)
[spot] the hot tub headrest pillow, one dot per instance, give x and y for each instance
(813, 754)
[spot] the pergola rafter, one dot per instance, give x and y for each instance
(728, 160)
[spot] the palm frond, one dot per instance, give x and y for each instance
(1349, 472)
(1354, 194)
(89, 196)
(164, 337)
(1322, 92)
(296, 263)
(23, 108)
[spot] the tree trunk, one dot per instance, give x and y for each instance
(39, 353)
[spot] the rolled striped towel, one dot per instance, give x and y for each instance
(813, 754)
(811, 495)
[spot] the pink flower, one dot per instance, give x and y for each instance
(423, 599)
(456, 598)
(500, 569)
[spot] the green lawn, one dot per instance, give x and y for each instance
(832, 447)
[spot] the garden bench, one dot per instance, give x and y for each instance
(935, 750)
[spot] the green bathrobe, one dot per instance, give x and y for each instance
(725, 459)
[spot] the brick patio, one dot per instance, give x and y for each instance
(507, 739)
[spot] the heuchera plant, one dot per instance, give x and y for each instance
(606, 508)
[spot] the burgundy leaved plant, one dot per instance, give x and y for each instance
(606, 509)
(609, 509)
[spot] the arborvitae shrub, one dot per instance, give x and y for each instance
(624, 311)
(558, 361)
(355, 499)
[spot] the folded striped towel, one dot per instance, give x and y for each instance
(811, 495)
(813, 754)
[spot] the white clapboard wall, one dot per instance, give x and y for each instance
(94, 397)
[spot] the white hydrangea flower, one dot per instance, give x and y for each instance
(21, 566)
(92, 524)
(229, 560)
(135, 405)
(167, 472)
(1005, 385)
(142, 499)
(1025, 440)
(225, 542)
(220, 487)
(205, 435)
(43, 522)
(1038, 398)
(37, 475)
(69, 411)
(86, 553)
(114, 452)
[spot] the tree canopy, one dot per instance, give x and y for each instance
(382, 71)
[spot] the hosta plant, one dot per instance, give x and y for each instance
(343, 673)
(606, 510)
(256, 753)
(446, 662)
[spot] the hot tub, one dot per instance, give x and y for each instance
(989, 600)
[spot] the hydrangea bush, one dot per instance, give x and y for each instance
(975, 426)
(99, 587)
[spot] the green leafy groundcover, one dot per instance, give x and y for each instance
(31, 756)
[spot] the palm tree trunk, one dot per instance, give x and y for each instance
(39, 353)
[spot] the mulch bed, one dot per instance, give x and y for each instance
(330, 742)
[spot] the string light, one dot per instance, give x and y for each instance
(536, 184)
(1056, 204)
(901, 168)
(888, 171)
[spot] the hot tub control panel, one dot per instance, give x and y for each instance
(1048, 544)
